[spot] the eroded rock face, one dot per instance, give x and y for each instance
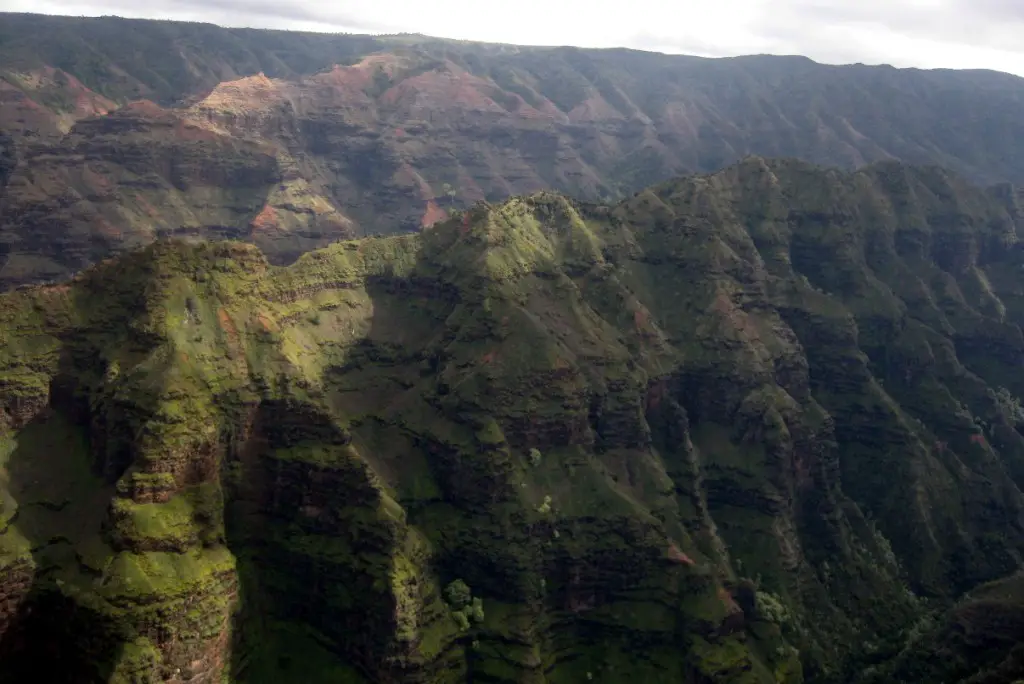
(123, 131)
(736, 428)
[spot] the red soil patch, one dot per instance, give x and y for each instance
(361, 75)
(12, 93)
(409, 176)
(266, 323)
(26, 111)
(105, 227)
(227, 325)
(740, 321)
(594, 108)
(468, 187)
(60, 289)
(88, 102)
(144, 108)
(24, 100)
(96, 181)
(726, 598)
(193, 132)
(244, 94)
(266, 219)
(655, 394)
(337, 225)
(488, 357)
(674, 554)
(20, 112)
(979, 439)
(346, 85)
(440, 90)
(640, 318)
(146, 206)
(433, 214)
(722, 304)
(524, 110)
(353, 77)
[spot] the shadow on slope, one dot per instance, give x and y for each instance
(408, 463)
(327, 563)
(54, 506)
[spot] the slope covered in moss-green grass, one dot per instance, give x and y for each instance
(747, 427)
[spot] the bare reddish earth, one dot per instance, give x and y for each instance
(145, 108)
(266, 219)
(370, 146)
(47, 101)
(433, 214)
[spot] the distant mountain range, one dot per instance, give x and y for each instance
(114, 131)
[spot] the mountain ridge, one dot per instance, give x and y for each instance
(761, 425)
(375, 135)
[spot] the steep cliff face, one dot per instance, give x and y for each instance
(746, 427)
(142, 173)
(315, 137)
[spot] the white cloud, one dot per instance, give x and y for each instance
(922, 33)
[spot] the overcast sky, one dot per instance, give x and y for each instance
(925, 33)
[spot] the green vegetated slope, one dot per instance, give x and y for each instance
(758, 426)
(980, 640)
(116, 132)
